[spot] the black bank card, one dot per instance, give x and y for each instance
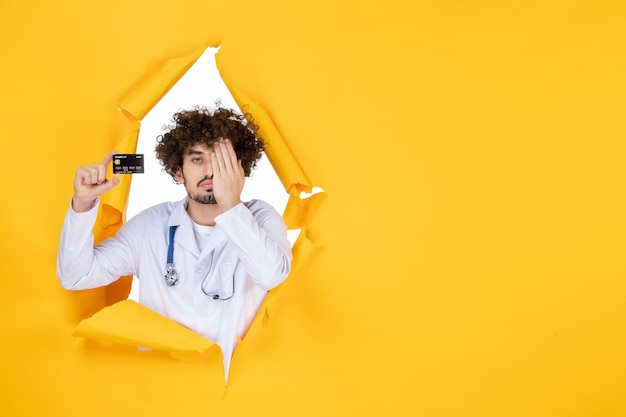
(128, 163)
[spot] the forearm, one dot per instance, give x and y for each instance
(77, 264)
(261, 242)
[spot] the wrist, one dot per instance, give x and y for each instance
(227, 206)
(81, 205)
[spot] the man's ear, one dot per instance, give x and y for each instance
(178, 176)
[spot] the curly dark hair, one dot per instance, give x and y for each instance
(202, 125)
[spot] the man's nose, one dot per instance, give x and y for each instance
(208, 169)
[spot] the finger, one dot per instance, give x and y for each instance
(92, 174)
(102, 173)
(107, 159)
(215, 166)
(87, 175)
(229, 156)
(231, 151)
(220, 162)
(113, 182)
(236, 163)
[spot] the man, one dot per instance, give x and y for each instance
(205, 262)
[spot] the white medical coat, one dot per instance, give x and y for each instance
(248, 248)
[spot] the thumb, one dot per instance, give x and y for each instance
(116, 180)
(111, 183)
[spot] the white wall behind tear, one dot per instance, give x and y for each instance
(200, 86)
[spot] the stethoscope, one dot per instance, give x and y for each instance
(171, 276)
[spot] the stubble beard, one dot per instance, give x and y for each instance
(204, 198)
(208, 198)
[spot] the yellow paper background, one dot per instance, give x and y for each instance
(473, 223)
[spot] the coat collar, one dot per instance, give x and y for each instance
(184, 232)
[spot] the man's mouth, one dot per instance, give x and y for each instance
(206, 183)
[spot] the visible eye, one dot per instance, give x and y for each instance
(196, 160)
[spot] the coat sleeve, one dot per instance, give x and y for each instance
(80, 266)
(259, 235)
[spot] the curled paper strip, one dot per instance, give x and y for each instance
(130, 323)
(277, 151)
(281, 158)
(147, 92)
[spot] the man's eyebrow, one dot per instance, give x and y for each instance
(195, 152)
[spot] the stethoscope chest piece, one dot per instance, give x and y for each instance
(171, 277)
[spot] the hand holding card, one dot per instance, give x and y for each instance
(90, 182)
